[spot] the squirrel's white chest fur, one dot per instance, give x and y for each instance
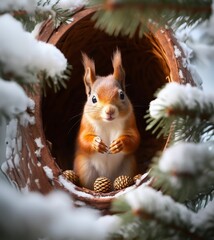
(109, 131)
(107, 164)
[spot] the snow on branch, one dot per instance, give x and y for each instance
(154, 203)
(36, 11)
(63, 4)
(149, 208)
(186, 158)
(205, 220)
(8, 5)
(27, 60)
(13, 99)
(185, 169)
(21, 54)
(189, 109)
(44, 5)
(176, 99)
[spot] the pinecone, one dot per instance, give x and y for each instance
(122, 182)
(137, 177)
(102, 185)
(71, 176)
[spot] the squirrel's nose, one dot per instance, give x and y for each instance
(110, 110)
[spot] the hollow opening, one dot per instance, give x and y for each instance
(146, 70)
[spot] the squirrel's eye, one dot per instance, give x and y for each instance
(94, 99)
(122, 95)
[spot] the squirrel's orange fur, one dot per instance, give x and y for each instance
(108, 135)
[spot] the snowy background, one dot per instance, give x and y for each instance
(33, 215)
(201, 41)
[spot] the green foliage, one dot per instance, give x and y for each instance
(57, 82)
(164, 219)
(183, 186)
(184, 119)
(55, 13)
(201, 200)
(141, 13)
(29, 78)
(58, 15)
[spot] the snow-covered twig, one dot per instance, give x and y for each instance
(187, 108)
(184, 170)
(22, 54)
(43, 5)
(27, 60)
(13, 99)
(149, 208)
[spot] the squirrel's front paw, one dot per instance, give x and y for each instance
(116, 146)
(98, 145)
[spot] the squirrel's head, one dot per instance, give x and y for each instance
(106, 97)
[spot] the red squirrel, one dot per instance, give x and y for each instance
(108, 135)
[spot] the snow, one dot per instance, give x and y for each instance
(32, 215)
(156, 204)
(36, 30)
(39, 164)
(38, 153)
(32, 5)
(39, 145)
(48, 172)
(64, 4)
(21, 53)
(195, 75)
(14, 102)
(177, 51)
(37, 183)
(13, 99)
(4, 167)
(29, 168)
(188, 158)
(182, 35)
(16, 160)
(179, 97)
(71, 188)
(28, 5)
(9, 152)
(11, 145)
(197, 43)
(26, 119)
(163, 208)
(110, 222)
(31, 104)
(181, 75)
(205, 216)
(38, 142)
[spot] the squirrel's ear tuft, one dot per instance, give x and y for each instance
(90, 74)
(119, 73)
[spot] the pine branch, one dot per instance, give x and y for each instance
(32, 66)
(149, 208)
(128, 16)
(29, 21)
(54, 12)
(184, 112)
(201, 200)
(31, 79)
(184, 171)
(57, 82)
(58, 16)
